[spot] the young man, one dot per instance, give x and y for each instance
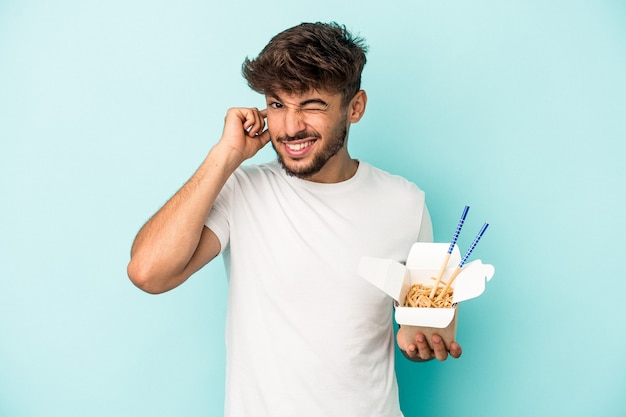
(305, 335)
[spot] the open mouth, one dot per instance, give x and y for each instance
(298, 148)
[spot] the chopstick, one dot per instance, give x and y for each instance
(446, 259)
(467, 254)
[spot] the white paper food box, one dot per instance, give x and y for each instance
(423, 263)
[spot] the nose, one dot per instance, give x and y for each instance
(294, 122)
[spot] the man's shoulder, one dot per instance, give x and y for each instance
(376, 175)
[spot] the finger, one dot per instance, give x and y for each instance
(409, 350)
(247, 116)
(258, 123)
(455, 350)
(263, 113)
(250, 121)
(439, 347)
(423, 349)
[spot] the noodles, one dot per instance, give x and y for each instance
(418, 296)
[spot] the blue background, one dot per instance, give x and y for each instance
(513, 107)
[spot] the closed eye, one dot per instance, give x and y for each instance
(314, 105)
(313, 109)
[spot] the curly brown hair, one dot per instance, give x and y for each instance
(310, 56)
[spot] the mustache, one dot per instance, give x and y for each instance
(300, 135)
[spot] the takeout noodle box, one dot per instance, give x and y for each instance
(422, 265)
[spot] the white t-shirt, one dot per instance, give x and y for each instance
(305, 335)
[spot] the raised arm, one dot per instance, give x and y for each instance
(174, 243)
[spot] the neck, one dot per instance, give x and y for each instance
(340, 167)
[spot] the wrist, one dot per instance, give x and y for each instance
(225, 158)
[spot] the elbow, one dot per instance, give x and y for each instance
(143, 279)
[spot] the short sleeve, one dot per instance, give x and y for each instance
(218, 219)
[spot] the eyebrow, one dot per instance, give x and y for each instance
(314, 101)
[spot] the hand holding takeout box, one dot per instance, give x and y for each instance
(429, 264)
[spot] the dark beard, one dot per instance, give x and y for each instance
(331, 149)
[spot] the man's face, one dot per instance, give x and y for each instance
(308, 131)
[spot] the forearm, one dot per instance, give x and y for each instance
(165, 245)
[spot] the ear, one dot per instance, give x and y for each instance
(357, 106)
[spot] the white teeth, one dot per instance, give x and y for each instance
(298, 146)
